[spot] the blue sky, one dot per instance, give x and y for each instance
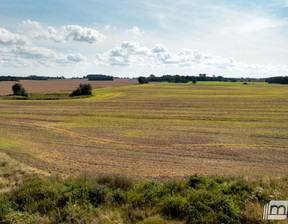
(137, 37)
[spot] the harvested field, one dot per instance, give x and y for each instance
(157, 130)
(39, 86)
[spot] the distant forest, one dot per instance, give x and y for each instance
(278, 79)
(98, 77)
(31, 77)
(185, 79)
(200, 77)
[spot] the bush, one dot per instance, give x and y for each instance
(97, 194)
(174, 207)
(195, 180)
(83, 89)
(18, 90)
(142, 80)
(145, 195)
(116, 182)
(194, 80)
(37, 195)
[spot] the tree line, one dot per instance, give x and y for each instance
(278, 79)
(185, 79)
(98, 77)
(31, 77)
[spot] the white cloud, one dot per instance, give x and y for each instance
(31, 56)
(8, 38)
(131, 54)
(83, 34)
(125, 54)
(64, 33)
(31, 25)
(50, 34)
(135, 31)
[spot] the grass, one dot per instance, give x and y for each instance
(159, 130)
(117, 199)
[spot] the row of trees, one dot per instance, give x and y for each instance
(167, 78)
(178, 78)
(31, 77)
(98, 77)
(278, 79)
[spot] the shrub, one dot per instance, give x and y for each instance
(37, 195)
(18, 90)
(145, 195)
(174, 207)
(142, 80)
(195, 180)
(194, 80)
(83, 89)
(173, 187)
(119, 196)
(97, 194)
(116, 182)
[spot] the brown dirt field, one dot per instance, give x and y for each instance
(35, 86)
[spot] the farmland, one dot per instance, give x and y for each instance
(159, 131)
(43, 86)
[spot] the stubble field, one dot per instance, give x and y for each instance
(157, 131)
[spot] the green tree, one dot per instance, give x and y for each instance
(171, 79)
(83, 89)
(194, 80)
(18, 90)
(142, 80)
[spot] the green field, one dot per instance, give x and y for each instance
(157, 131)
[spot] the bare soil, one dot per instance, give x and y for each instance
(39, 86)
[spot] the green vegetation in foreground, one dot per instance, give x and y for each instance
(214, 199)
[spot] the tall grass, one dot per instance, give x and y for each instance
(117, 199)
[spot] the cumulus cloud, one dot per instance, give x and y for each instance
(125, 54)
(130, 53)
(28, 56)
(18, 50)
(84, 34)
(64, 33)
(50, 34)
(31, 25)
(8, 38)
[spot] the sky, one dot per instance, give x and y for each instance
(129, 38)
